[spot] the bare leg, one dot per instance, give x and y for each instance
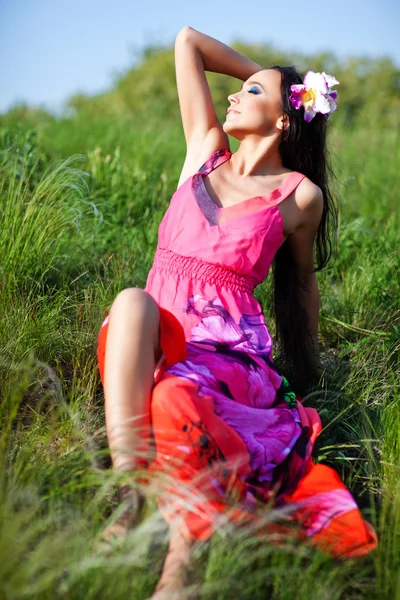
(132, 352)
(172, 582)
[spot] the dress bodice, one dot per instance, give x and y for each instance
(242, 238)
(208, 254)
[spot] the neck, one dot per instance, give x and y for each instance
(257, 156)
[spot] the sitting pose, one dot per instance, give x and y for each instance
(187, 362)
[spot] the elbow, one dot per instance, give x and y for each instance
(184, 33)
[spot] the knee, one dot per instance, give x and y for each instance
(135, 304)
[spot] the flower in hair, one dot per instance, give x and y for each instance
(315, 94)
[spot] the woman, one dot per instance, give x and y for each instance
(191, 355)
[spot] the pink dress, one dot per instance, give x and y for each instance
(223, 417)
(209, 255)
(207, 263)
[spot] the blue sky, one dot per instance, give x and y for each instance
(51, 49)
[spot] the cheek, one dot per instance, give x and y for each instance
(260, 112)
(266, 109)
(265, 115)
(272, 113)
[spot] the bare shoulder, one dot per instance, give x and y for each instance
(310, 201)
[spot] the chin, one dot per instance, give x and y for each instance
(228, 126)
(233, 131)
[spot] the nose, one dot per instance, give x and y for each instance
(232, 98)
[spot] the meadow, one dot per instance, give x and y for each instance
(81, 198)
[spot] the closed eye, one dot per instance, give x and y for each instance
(253, 90)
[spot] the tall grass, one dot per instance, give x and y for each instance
(77, 229)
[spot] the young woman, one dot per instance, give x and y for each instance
(190, 357)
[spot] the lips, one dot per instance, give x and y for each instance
(232, 110)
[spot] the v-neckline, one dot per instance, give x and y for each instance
(266, 197)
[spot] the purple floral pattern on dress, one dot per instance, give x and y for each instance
(244, 389)
(217, 325)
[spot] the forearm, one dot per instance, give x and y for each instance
(311, 302)
(220, 58)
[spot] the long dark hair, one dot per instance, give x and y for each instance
(302, 148)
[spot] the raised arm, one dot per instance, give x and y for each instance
(195, 53)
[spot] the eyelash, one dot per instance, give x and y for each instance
(251, 92)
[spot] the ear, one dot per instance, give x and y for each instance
(283, 122)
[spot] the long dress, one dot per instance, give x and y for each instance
(226, 423)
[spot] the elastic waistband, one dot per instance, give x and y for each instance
(193, 268)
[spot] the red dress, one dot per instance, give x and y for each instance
(231, 435)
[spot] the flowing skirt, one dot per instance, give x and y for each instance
(234, 442)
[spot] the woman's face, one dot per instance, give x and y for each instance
(257, 106)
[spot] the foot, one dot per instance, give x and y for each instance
(116, 532)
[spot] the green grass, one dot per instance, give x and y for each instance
(77, 229)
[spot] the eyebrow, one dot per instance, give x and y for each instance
(252, 82)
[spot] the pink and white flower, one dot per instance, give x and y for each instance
(315, 94)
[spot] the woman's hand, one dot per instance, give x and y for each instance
(219, 57)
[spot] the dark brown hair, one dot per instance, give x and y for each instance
(303, 149)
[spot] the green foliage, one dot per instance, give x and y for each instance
(81, 200)
(39, 205)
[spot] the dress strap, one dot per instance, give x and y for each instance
(218, 157)
(287, 187)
